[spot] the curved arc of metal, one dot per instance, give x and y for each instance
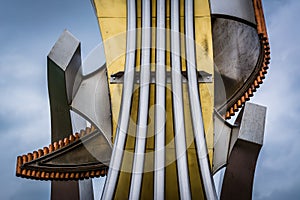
(160, 116)
(195, 104)
(177, 97)
(242, 9)
(247, 84)
(257, 81)
(141, 132)
(123, 123)
(37, 165)
(95, 110)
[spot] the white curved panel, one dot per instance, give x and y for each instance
(92, 101)
(237, 8)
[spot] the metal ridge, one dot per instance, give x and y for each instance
(125, 107)
(177, 103)
(25, 171)
(258, 78)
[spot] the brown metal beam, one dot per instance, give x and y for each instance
(239, 174)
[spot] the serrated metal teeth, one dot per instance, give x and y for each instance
(44, 175)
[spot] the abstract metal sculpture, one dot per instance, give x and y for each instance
(175, 71)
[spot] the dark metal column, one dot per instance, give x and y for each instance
(239, 174)
(64, 77)
(238, 179)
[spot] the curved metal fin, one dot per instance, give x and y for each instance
(242, 9)
(222, 137)
(87, 95)
(92, 101)
(239, 174)
(64, 77)
(79, 156)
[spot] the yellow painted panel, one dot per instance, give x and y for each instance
(204, 59)
(112, 20)
(195, 177)
(113, 32)
(202, 8)
(110, 8)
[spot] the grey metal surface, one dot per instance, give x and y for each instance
(178, 112)
(242, 9)
(124, 116)
(252, 127)
(66, 54)
(141, 132)
(239, 174)
(236, 57)
(222, 137)
(63, 61)
(86, 189)
(249, 126)
(195, 104)
(160, 109)
(92, 101)
(244, 125)
(89, 154)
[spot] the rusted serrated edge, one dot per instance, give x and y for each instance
(263, 35)
(43, 175)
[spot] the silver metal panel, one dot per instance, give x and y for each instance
(141, 132)
(94, 59)
(66, 54)
(253, 123)
(239, 175)
(178, 113)
(64, 65)
(195, 104)
(222, 135)
(244, 129)
(160, 109)
(96, 107)
(234, 135)
(64, 49)
(86, 191)
(236, 54)
(249, 126)
(243, 9)
(124, 116)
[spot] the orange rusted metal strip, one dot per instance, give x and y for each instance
(46, 175)
(262, 32)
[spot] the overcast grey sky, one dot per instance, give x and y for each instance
(29, 28)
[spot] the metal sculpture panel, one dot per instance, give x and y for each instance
(175, 71)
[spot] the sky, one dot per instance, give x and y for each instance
(29, 29)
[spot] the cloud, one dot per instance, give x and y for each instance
(277, 169)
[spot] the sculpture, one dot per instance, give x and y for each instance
(175, 70)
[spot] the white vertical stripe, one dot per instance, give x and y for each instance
(124, 116)
(195, 104)
(141, 132)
